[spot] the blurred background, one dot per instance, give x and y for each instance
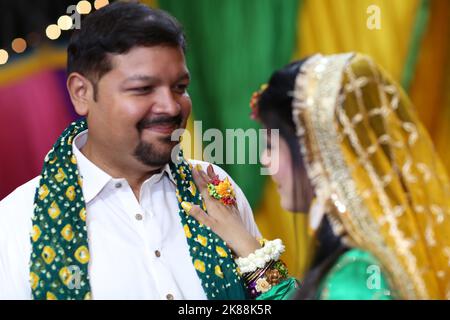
(233, 47)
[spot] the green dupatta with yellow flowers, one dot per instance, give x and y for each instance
(60, 250)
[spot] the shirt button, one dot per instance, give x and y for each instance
(157, 253)
(118, 185)
(169, 297)
(139, 217)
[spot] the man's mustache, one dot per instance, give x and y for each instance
(147, 123)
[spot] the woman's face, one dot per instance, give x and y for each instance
(278, 160)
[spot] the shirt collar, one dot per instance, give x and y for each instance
(94, 178)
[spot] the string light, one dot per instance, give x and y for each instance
(100, 4)
(3, 56)
(19, 45)
(84, 7)
(65, 22)
(53, 32)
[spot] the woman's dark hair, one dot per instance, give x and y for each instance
(116, 29)
(275, 112)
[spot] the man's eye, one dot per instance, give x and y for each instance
(181, 88)
(142, 89)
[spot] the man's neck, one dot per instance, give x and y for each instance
(135, 174)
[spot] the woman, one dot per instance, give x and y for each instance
(364, 168)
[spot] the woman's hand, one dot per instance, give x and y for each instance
(224, 220)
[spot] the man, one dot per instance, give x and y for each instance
(102, 221)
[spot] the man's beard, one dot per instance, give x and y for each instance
(148, 153)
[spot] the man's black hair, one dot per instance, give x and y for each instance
(116, 29)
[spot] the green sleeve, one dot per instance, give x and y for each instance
(282, 291)
(356, 275)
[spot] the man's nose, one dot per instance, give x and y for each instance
(167, 103)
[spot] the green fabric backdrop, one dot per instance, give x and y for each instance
(233, 46)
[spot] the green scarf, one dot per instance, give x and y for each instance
(60, 251)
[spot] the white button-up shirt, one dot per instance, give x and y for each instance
(138, 249)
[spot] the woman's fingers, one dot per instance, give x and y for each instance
(201, 182)
(210, 171)
(198, 214)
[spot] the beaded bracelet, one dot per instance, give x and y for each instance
(262, 269)
(273, 274)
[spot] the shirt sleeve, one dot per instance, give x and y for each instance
(356, 276)
(242, 203)
(16, 212)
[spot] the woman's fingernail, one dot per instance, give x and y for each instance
(198, 167)
(186, 206)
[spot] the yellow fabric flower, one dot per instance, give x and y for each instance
(218, 271)
(35, 233)
(34, 280)
(60, 176)
(48, 254)
(83, 214)
(178, 196)
(43, 192)
(70, 193)
(199, 265)
(187, 231)
(221, 251)
(202, 240)
(51, 296)
(65, 275)
(53, 160)
(67, 232)
(182, 174)
(82, 255)
(73, 159)
(192, 188)
(54, 210)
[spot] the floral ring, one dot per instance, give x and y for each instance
(222, 190)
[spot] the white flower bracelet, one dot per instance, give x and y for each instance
(257, 260)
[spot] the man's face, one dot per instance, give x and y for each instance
(140, 102)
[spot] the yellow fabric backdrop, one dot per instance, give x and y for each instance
(430, 89)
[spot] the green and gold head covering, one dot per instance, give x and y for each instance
(369, 156)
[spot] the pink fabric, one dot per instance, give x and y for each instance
(33, 113)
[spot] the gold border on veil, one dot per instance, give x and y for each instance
(318, 92)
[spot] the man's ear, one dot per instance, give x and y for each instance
(81, 92)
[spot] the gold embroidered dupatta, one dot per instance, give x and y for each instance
(372, 162)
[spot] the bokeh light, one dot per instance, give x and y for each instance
(53, 32)
(84, 7)
(19, 45)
